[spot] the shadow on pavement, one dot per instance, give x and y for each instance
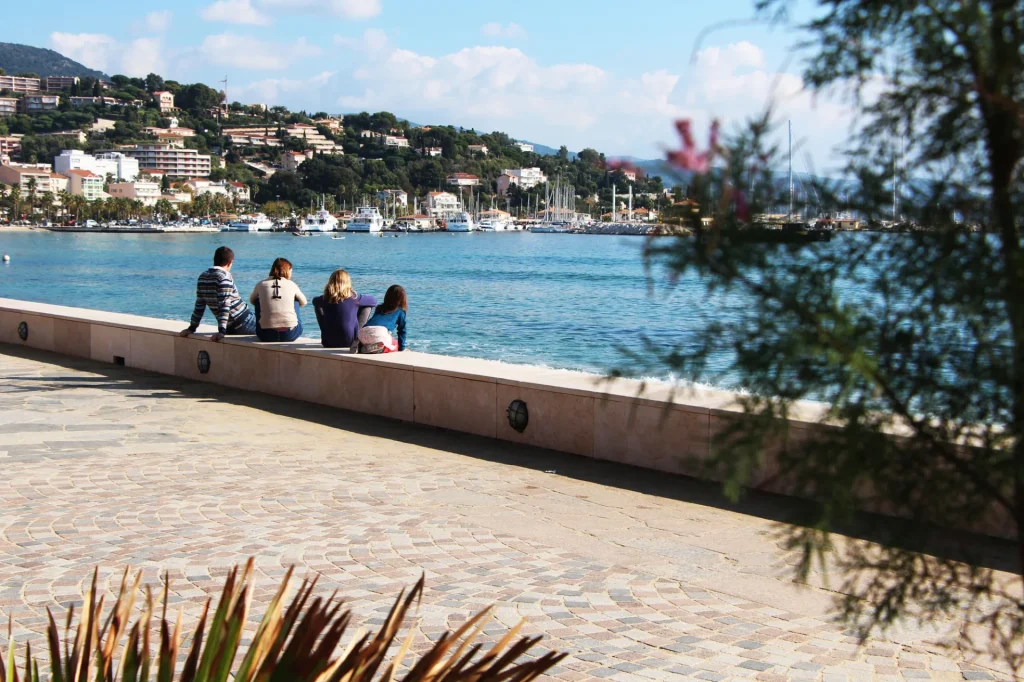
(976, 549)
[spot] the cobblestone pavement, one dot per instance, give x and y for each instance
(105, 466)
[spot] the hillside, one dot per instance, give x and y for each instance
(15, 58)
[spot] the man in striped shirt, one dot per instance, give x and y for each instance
(216, 290)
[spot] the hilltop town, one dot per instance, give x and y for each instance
(135, 147)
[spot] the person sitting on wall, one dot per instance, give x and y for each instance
(341, 312)
(277, 300)
(216, 290)
(385, 332)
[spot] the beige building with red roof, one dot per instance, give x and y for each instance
(83, 183)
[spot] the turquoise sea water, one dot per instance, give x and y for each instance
(564, 301)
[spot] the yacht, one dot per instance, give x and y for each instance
(366, 219)
(495, 221)
(461, 222)
(321, 221)
(249, 223)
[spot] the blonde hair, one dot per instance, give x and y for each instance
(339, 287)
(281, 269)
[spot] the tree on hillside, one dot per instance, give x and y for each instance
(920, 335)
(154, 83)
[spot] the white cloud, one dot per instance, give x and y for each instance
(479, 86)
(235, 12)
(511, 31)
(346, 9)
(373, 42)
(245, 52)
(273, 91)
(158, 21)
(97, 51)
(578, 104)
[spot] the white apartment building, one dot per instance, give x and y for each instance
(79, 102)
(19, 84)
(239, 191)
(290, 161)
(523, 177)
(58, 83)
(187, 163)
(8, 106)
(10, 144)
(202, 186)
(524, 146)
(395, 141)
(463, 180)
(85, 183)
(394, 197)
(123, 168)
(146, 191)
(313, 138)
(442, 205)
(35, 104)
(165, 99)
(20, 176)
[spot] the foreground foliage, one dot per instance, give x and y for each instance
(919, 335)
(295, 641)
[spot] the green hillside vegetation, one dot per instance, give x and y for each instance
(18, 59)
(353, 179)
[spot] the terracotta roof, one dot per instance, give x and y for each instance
(83, 173)
(465, 176)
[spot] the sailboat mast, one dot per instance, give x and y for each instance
(613, 202)
(790, 216)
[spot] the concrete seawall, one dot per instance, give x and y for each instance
(652, 426)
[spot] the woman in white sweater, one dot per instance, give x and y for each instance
(277, 300)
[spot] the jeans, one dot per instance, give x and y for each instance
(276, 336)
(244, 325)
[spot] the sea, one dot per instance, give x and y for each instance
(573, 302)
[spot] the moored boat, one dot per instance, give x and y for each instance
(366, 219)
(249, 223)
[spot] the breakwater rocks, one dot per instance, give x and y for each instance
(636, 229)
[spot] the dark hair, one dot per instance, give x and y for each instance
(281, 269)
(223, 256)
(393, 300)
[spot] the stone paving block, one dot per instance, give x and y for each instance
(112, 466)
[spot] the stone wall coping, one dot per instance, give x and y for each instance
(698, 400)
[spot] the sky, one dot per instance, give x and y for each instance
(582, 73)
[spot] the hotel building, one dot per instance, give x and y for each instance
(186, 163)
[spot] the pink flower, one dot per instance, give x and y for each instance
(623, 165)
(688, 158)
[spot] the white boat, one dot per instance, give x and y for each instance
(461, 222)
(495, 221)
(249, 223)
(366, 219)
(321, 221)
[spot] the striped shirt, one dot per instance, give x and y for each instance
(216, 290)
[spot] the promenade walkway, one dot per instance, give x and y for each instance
(637, 575)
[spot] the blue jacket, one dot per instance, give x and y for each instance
(393, 321)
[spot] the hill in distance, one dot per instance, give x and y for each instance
(15, 58)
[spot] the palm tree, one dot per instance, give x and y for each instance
(46, 203)
(164, 208)
(62, 197)
(32, 187)
(15, 201)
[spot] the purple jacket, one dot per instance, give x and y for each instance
(339, 322)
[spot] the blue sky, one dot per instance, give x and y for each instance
(603, 74)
